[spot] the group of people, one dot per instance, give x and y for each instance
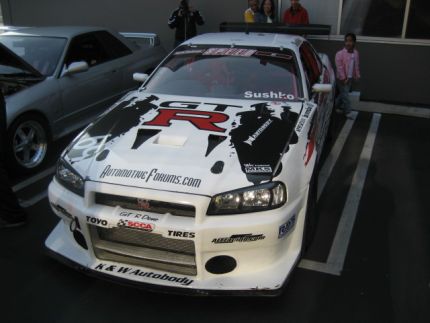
(185, 18)
(296, 14)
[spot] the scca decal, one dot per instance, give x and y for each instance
(203, 120)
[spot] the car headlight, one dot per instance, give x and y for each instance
(249, 199)
(69, 178)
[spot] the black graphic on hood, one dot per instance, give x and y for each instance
(213, 142)
(261, 138)
(122, 118)
(144, 135)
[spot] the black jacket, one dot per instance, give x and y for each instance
(186, 24)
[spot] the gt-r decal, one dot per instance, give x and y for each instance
(203, 120)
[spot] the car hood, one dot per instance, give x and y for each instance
(9, 58)
(186, 144)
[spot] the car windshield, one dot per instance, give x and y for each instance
(239, 73)
(42, 53)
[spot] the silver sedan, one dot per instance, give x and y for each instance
(58, 79)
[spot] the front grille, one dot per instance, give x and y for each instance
(147, 249)
(138, 204)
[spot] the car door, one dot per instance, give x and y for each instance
(316, 72)
(86, 94)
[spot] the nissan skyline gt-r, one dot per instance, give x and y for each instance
(203, 180)
(56, 80)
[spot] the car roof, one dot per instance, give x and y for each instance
(248, 39)
(54, 31)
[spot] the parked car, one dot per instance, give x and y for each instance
(58, 79)
(204, 180)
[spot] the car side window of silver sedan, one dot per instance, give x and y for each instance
(86, 48)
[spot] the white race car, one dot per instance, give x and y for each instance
(202, 181)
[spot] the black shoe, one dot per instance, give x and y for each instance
(17, 221)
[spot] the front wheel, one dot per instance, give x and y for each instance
(28, 142)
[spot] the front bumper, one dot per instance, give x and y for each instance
(262, 265)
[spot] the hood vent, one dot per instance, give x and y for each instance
(168, 140)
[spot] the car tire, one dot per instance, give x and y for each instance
(311, 219)
(28, 140)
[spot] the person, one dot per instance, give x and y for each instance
(266, 13)
(184, 19)
(249, 14)
(296, 14)
(11, 213)
(347, 69)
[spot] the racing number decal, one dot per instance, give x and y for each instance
(203, 120)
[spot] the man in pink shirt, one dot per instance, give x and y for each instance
(347, 70)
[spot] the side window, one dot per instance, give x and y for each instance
(311, 63)
(112, 45)
(86, 48)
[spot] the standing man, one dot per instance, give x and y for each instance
(347, 70)
(296, 14)
(251, 12)
(11, 213)
(184, 19)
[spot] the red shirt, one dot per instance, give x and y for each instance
(298, 17)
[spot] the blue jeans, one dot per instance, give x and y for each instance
(342, 100)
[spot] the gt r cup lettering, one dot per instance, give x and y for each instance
(286, 227)
(181, 234)
(268, 95)
(97, 221)
(136, 225)
(137, 216)
(203, 120)
(137, 272)
(253, 169)
(256, 134)
(249, 237)
(152, 175)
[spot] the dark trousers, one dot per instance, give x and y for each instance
(9, 206)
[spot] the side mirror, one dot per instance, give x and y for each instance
(322, 88)
(77, 67)
(140, 77)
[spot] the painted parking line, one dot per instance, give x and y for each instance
(333, 156)
(34, 179)
(339, 248)
(34, 200)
